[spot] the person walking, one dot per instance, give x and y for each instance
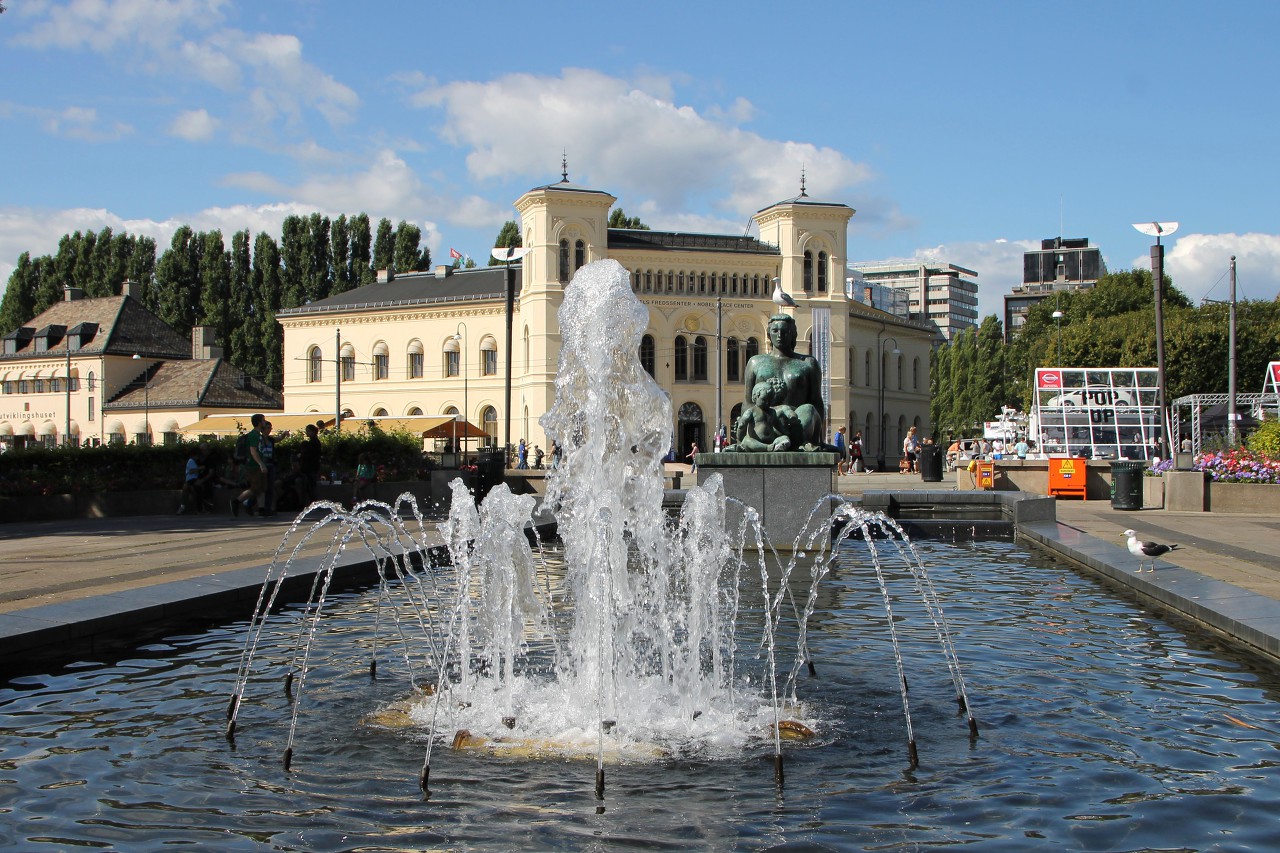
(910, 451)
(309, 465)
(843, 449)
(855, 453)
(255, 468)
(522, 456)
(693, 456)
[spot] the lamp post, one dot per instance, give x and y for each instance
(507, 255)
(880, 355)
(462, 368)
(1157, 230)
(1057, 321)
(146, 399)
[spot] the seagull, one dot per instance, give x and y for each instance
(782, 300)
(1145, 551)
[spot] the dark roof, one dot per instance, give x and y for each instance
(566, 187)
(200, 383)
(627, 238)
(804, 199)
(124, 327)
(417, 288)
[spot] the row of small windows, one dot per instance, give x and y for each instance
(42, 386)
(671, 281)
(414, 361)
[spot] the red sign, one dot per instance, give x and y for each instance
(1275, 371)
(1047, 377)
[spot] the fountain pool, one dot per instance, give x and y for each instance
(1103, 729)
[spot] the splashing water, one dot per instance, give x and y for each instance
(649, 637)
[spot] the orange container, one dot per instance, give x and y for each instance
(1067, 478)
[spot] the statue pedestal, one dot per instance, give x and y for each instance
(783, 487)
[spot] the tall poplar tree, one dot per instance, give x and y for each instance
(178, 281)
(361, 270)
(340, 254)
(215, 286)
(237, 343)
(384, 246)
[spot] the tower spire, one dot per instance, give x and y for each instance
(564, 167)
(803, 194)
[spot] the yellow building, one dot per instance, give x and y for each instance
(91, 371)
(443, 342)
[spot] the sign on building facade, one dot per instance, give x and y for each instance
(1098, 413)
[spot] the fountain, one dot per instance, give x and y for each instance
(652, 637)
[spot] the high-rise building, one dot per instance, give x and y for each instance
(1060, 264)
(928, 290)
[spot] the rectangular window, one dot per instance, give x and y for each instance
(348, 368)
(380, 367)
(91, 409)
(490, 363)
(450, 364)
(415, 365)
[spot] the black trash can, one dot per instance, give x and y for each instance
(1126, 484)
(929, 459)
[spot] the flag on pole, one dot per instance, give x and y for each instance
(455, 254)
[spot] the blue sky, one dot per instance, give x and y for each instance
(965, 132)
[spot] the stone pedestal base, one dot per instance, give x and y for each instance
(783, 487)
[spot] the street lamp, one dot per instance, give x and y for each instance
(880, 355)
(462, 367)
(1158, 230)
(146, 399)
(1057, 320)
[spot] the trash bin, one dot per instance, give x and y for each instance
(1126, 484)
(930, 461)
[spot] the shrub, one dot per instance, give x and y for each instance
(1265, 440)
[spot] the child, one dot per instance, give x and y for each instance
(366, 475)
(763, 427)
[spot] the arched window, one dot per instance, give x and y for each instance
(732, 363)
(92, 380)
(415, 359)
(808, 271)
(452, 358)
(915, 374)
(414, 412)
(315, 365)
(579, 255)
(635, 281)
(564, 261)
(753, 348)
(381, 361)
(489, 418)
(900, 386)
(680, 282)
(755, 285)
(822, 272)
(648, 281)
(682, 359)
(866, 370)
(348, 363)
(488, 356)
(702, 282)
(700, 359)
(648, 355)
(733, 287)
(379, 412)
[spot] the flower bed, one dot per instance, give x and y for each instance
(1239, 466)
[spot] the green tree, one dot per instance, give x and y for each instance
(408, 257)
(508, 236)
(267, 336)
(18, 305)
(340, 254)
(215, 286)
(317, 277)
(178, 281)
(294, 250)
(237, 343)
(384, 246)
(619, 219)
(360, 266)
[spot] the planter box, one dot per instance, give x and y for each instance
(1153, 492)
(1244, 498)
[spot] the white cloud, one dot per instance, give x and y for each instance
(642, 146)
(194, 126)
(186, 39)
(1198, 265)
(998, 264)
(82, 123)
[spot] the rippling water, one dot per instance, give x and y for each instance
(1102, 728)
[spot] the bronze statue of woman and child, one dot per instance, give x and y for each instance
(784, 393)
